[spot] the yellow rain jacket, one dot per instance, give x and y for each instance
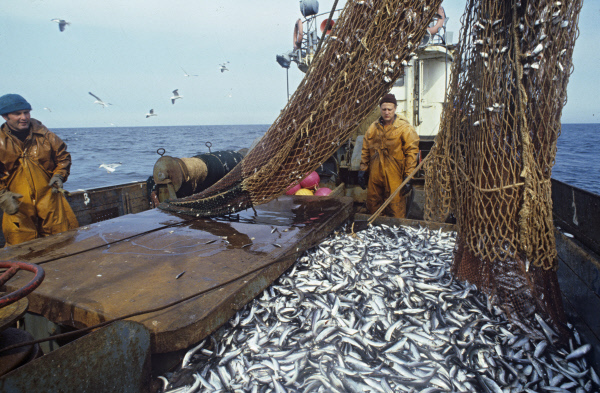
(389, 153)
(26, 168)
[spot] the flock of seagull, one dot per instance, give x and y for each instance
(110, 168)
(176, 96)
(223, 67)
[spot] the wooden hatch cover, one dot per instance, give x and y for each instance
(128, 264)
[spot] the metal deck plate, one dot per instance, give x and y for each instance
(112, 359)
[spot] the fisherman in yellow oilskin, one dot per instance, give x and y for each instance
(389, 155)
(34, 164)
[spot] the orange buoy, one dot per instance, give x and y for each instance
(330, 26)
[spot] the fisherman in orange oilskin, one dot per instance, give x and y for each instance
(389, 155)
(34, 163)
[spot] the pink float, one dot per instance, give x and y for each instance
(311, 181)
(323, 191)
(292, 189)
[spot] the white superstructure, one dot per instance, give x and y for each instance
(421, 91)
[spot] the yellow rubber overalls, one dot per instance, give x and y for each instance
(41, 212)
(389, 153)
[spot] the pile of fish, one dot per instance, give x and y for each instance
(378, 311)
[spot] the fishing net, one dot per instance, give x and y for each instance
(493, 157)
(365, 53)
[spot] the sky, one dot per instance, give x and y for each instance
(134, 53)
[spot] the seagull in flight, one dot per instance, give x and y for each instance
(110, 167)
(175, 96)
(224, 67)
(61, 23)
(151, 113)
(186, 74)
(99, 101)
(48, 109)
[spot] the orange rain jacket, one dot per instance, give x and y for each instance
(389, 153)
(26, 168)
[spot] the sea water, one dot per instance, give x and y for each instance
(577, 161)
(135, 148)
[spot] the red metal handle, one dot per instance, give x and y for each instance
(13, 268)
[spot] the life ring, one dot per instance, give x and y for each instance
(330, 24)
(440, 22)
(298, 34)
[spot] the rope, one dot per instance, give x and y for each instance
(160, 308)
(500, 126)
(325, 29)
(356, 65)
(495, 189)
(525, 213)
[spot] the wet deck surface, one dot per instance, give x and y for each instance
(129, 264)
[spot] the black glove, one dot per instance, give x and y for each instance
(407, 188)
(362, 179)
(56, 180)
(9, 202)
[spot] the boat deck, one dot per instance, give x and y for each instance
(131, 263)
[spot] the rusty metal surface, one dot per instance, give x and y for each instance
(96, 204)
(130, 264)
(11, 359)
(171, 169)
(579, 278)
(112, 359)
(578, 212)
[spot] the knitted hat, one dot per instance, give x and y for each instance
(388, 98)
(13, 102)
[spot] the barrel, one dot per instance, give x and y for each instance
(309, 7)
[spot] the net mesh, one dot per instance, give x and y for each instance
(363, 57)
(493, 158)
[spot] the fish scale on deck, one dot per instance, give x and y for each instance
(380, 312)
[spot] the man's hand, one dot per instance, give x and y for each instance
(56, 180)
(9, 202)
(407, 188)
(362, 179)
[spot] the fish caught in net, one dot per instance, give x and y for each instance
(493, 157)
(365, 53)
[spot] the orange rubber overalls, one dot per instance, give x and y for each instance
(26, 168)
(389, 153)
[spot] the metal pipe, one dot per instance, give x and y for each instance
(325, 29)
